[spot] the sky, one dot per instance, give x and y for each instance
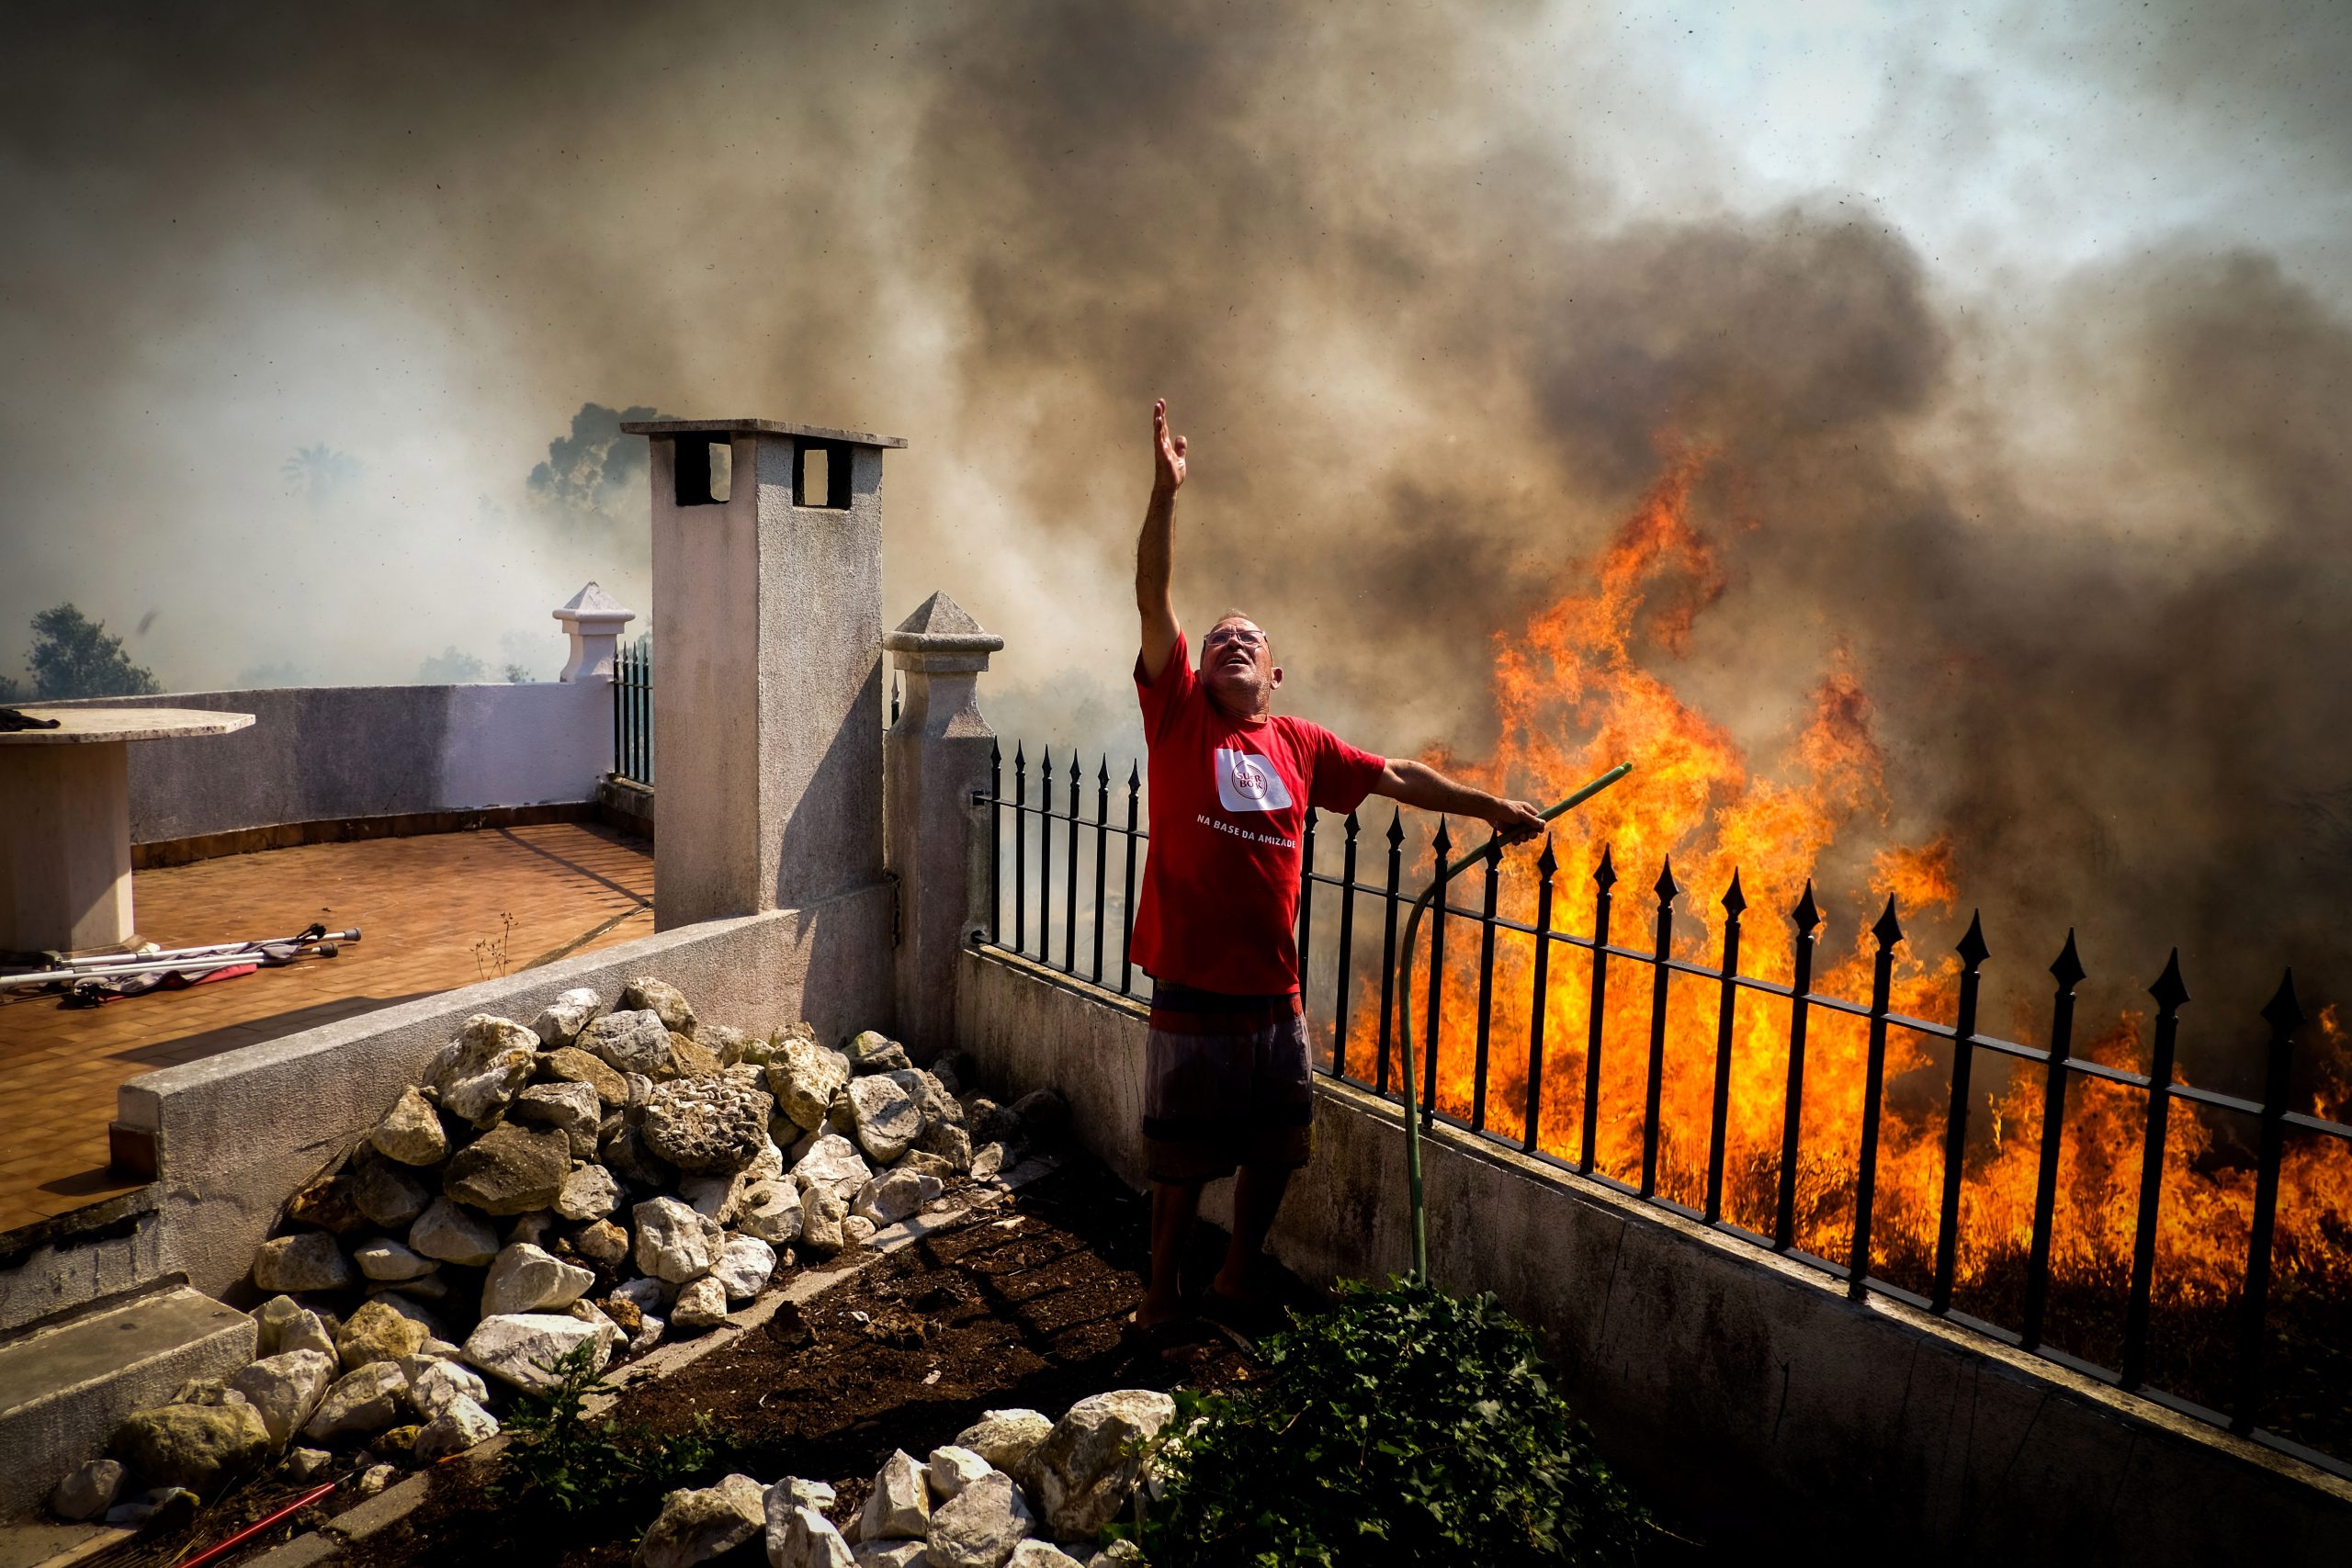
(202, 326)
(2016, 335)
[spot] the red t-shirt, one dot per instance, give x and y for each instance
(1229, 798)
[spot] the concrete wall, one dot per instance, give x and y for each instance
(109, 1248)
(1741, 1385)
(232, 1148)
(320, 754)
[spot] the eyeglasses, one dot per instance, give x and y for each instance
(1248, 636)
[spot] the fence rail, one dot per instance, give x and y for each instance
(1025, 920)
(633, 711)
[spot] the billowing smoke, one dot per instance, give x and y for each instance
(322, 323)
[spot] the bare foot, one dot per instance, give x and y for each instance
(1154, 1311)
(1241, 1288)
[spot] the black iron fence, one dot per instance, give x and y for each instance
(633, 711)
(1067, 902)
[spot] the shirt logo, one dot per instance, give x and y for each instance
(1245, 783)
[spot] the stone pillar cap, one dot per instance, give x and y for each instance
(592, 603)
(676, 427)
(940, 625)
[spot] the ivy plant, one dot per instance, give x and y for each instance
(1407, 1426)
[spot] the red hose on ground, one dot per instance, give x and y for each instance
(251, 1530)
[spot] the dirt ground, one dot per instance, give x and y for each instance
(1022, 1305)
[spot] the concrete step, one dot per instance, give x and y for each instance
(66, 1385)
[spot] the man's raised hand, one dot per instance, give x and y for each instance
(1168, 453)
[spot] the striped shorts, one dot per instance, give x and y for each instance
(1225, 1083)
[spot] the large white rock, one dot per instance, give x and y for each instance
(766, 1165)
(283, 1324)
(411, 1132)
(697, 1524)
(889, 1554)
(951, 1469)
(87, 1490)
(893, 1195)
(453, 1235)
(358, 1403)
(801, 1537)
(523, 1277)
(701, 1304)
(793, 1493)
(719, 1198)
(980, 1526)
(673, 1242)
(589, 1193)
(1040, 1554)
(433, 1385)
(1081, 1474)
(603, 1242)
(898, 1508)
(571, 1109)
(632, 1041)
(493, 1060)
(513, 1349)
(384, 1258)
(743, 1267)
(562, 1020)
(823, 1218)
(804, 1077)
(834, 1164)
(931, 1096)
(888, 1121)
(286, 1388)
(461, 1424)
(771, 1211)
(308, 1262)
(1006, 1438)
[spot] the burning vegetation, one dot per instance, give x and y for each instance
(1578, 690)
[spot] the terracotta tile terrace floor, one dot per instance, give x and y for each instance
(422, 905)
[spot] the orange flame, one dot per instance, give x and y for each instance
(1573, 672)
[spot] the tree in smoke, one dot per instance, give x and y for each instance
(451, 668)
(74, 657)
(321, 470)
(593, 480)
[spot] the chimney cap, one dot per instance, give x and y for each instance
(675, 427)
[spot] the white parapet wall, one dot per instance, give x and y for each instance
(333, 753)
(1740, 1386)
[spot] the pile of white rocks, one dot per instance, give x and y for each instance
(598, 1177)
(1001, 1495)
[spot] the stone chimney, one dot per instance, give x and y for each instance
(767, 664)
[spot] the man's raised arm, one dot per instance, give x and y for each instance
(1155, 547)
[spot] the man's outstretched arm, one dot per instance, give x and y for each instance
(1418, 784)
(1155, 548)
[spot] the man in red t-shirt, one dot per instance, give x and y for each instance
(1225, 1074)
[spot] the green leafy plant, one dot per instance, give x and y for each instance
(1406, 1425)
(560, 1458)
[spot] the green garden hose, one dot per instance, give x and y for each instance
(1405, 1009)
